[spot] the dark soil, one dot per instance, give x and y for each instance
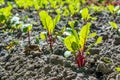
(39, 64)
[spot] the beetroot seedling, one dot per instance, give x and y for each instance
(27, 29)
(86, 16)
(115, 27)
(117, 69)
(49, 24)
(76, 43)
(113, 10)
(12, 45)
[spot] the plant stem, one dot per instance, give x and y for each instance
(80, 59)
(29, 37)
(50, 42)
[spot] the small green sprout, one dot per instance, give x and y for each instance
(24, 3)
(113, 9)
(53, 4)
(96, 9)
(12, 45)
(117, 69)
(49, 24)
(65, 12)
(5, 13)
(27, 28)
(113, 25)
(36, 4)
(37, 40)
(74, 8)
(85, 15)
(43, 35)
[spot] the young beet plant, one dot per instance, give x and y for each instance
(49, 24)
(27, 28)
(74, 8)
(115, 27)
(86, 16)
(5, 14)
(76, 43)
(113, 10)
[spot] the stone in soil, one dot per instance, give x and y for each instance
(46, 69)
(117, 41)
(102, 67)
(94, 51)
(54, 59)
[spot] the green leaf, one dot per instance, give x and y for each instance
(74, 32)
(36, 5)
(93, 18)
(71, 23)
(5, 13)
(84, 34)
(68, 42)
(43, 16)
(117, 69)
(71, 8)
(25, 29)
(85, 14)
(66, 12)
(47, 21)
(88, 53)
(42, 36)
(15, 42)
(37, 40)
(58, 11)
(63, 29)
(19, 26)
(74, 46)
(92, 35)
(111, 8)
(99, 40)
(2, 18)
(114, 25)
(29, 28)
(57, 19)
(12, 45)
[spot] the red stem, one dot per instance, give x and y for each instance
(80, 59)
(50, 41)
(29, 37)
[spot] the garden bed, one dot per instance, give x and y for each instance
(35, 60)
